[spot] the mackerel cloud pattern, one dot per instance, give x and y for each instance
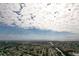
(45, 16)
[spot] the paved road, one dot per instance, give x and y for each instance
(57, 48)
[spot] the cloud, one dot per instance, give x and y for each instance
(54, 16)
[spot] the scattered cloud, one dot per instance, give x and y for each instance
(54, 16)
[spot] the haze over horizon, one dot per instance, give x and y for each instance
(39, 21)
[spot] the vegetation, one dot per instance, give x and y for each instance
(16, 48)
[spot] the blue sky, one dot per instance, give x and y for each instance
(17, 33)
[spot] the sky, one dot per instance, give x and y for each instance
(39, 21)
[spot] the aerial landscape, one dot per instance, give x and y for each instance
(39, 29)
(39, 48)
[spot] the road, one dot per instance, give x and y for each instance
(57, 48)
